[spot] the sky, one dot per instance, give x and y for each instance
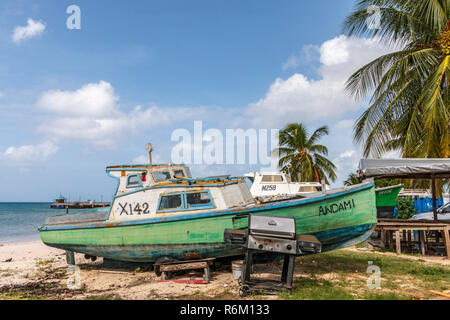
(75, 100)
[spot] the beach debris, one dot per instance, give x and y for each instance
(117, 272)
(8, 260)
(190, 281)
(445, 293)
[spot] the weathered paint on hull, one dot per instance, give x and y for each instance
(337, 221)
(336, 239)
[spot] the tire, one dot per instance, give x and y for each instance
(244, 291)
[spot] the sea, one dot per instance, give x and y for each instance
(19, 222)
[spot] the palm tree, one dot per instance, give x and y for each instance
(409, 107)
(301, 157)
(352, 180)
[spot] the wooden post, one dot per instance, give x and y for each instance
(433, 194)
(383, 238)
(409, 239)
(422, 242)
(397, 242)
(446, 235)
(391, 239)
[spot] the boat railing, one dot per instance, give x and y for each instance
(212, 179)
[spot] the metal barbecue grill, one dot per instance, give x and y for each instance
(276, 235)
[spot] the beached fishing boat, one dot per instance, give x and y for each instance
(160, 211)
(387, 200)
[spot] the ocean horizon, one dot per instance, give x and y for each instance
(19, 221)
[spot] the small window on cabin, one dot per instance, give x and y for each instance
(170, 202)
(179, 173)
(308, 189)
(198, 199)
(133, 181)
(272, 178)
(161, 176)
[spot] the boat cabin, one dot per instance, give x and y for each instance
(268, 184)
(152, 191)
(132, 177)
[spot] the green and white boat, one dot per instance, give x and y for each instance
(387, 200)
(160, 211)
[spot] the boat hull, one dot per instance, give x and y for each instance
(336, 239)
(337, 220)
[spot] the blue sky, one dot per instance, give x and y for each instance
(231, 64)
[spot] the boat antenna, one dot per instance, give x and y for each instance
(149, 149)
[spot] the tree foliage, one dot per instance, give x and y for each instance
(301, 157)
(410, 98)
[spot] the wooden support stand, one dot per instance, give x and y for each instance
(204, 264)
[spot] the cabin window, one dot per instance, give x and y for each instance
(179, 173)
(133, 181)
(198, 199)
(272, 178)
(308, 189)
(186, 201)
(170, 202)
(161, 176)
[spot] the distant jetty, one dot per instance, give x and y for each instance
(60, 203)
(79, 205)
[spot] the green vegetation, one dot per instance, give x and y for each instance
(352, 180)
(45, 262)
(300, 155)
(410, 104)
(405, 208)
(342, 275)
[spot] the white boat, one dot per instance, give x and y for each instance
(272, 185)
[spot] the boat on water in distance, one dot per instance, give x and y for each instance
(159, 211)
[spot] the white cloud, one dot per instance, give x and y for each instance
(346, 163)
(335, 51)
(306, 57)
(1, 94)
(92, 114)
(299, 98)
(28, 154)
(31, 30)
(91, 100)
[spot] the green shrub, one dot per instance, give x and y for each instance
(405, 208)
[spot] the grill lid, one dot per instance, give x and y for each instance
(272, 226)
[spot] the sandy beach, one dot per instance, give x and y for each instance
(30, 265)
(32, 270)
